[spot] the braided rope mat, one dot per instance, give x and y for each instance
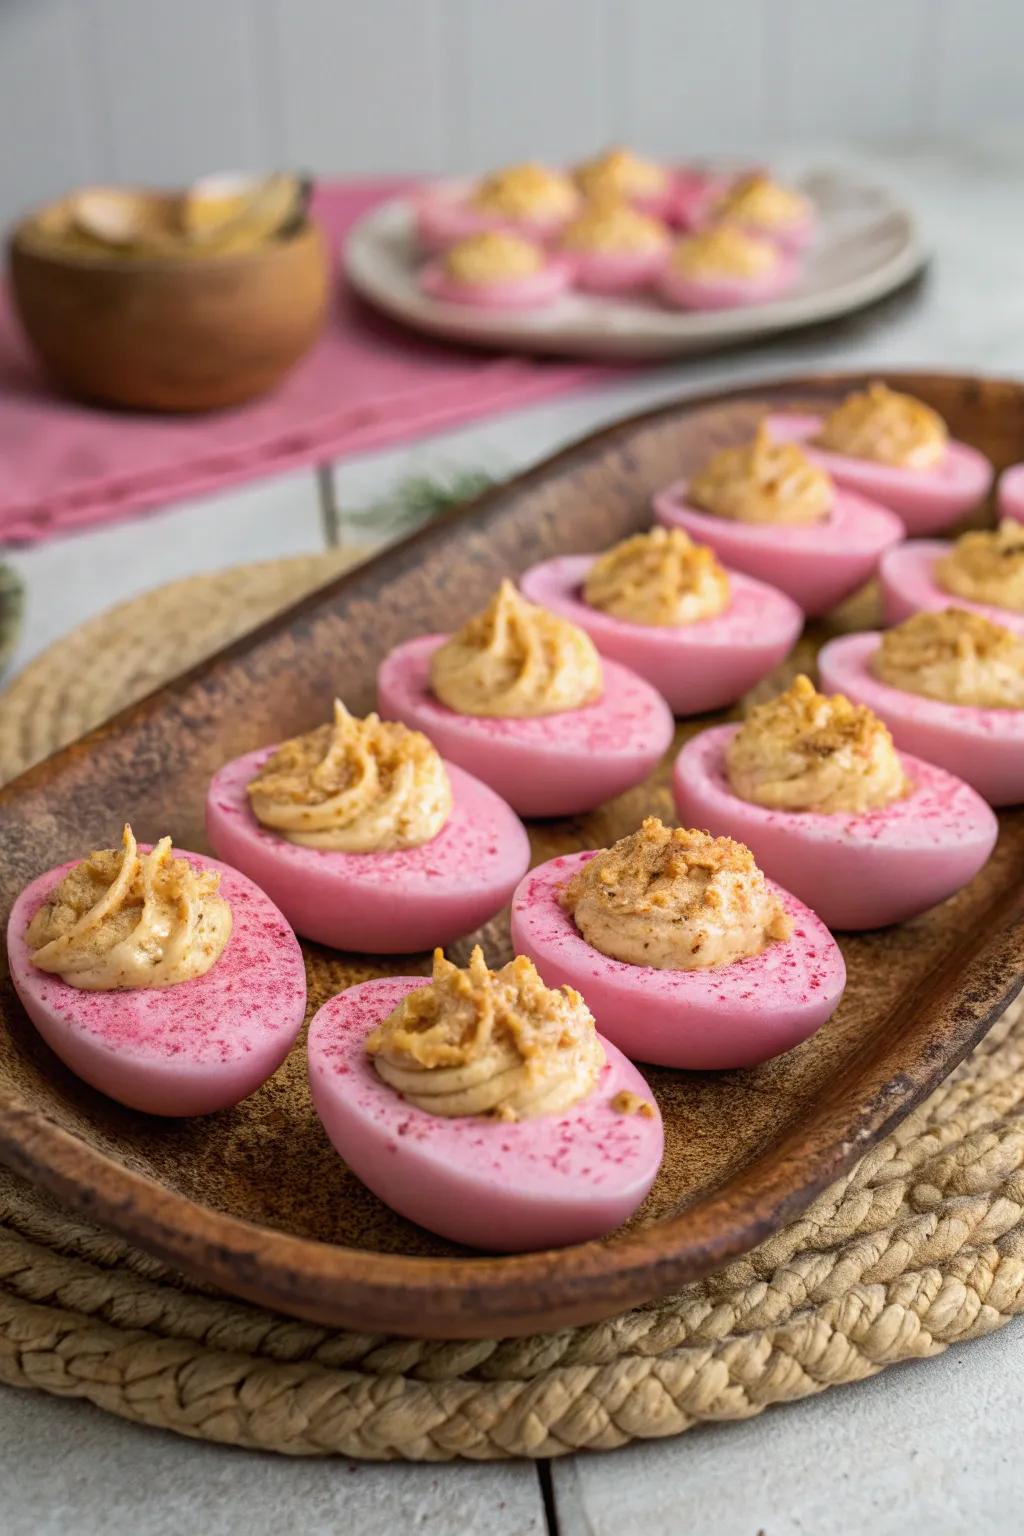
(921, 1246)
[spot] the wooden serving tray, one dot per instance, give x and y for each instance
(254, 1199)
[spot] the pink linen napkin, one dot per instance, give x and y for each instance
(367, 384)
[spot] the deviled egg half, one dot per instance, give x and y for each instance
(365, 838)
(758, 204)
(484, 1105)
(527, 199)
(166, 980)
(724, 267)
(613, 247)
(950, 687)
(664, 606)
(496, 270)
(896, 449)
(814, 785)
(982, 571)
(520, 697)
(622, 175)
(689, 956)
(766, 509)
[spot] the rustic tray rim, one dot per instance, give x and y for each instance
(479, 1297)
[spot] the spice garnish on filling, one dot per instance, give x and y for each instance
(355, 786)
(956, 656)
(482, 1042)
(627, 1103)
(491, 257)
(757, 199)
(987, 567)
(123, 919)
(808, 751)
(527, 191)
(676, 899)
(723, 251)
(621, 173)
(612, 226)
(763, 481)
(658, 578)
(882, 424)
(516, 659)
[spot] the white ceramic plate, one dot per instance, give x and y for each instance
(868, 245)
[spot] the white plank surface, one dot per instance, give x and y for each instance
(932, 1447)
(854, 68)
(178, 88)
(362, 87)
(70, 1470)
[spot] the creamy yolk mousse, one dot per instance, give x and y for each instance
(986, 567)
(676, 899)
(956, 656)
(529, 191)
(887, 427)
(492, 257)
(763, 481)
(758, 202)
(515, 659)
(496, 268)
(483, 1042)
(723, 252)
(356, 786)
(805, 751)
(622, 173)
(659, 578)
(123, 919)
(612, 227)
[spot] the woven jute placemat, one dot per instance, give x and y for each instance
(921, 1246)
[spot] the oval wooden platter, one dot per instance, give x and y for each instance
(254, 1200)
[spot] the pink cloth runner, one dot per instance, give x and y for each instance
(367, 384)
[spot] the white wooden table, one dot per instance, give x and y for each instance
(931, 1447)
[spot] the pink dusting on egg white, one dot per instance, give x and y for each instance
(816, 564)
(539, 1183)
(544, 765)
(984, 747)
(613, 272)
(724, 1016)
(855, 871)
(527, 292)
(187, 1049)
(443, 216)
(926, 500)
(1010, 493)
(694, 667)
(381, 903)
(681, 292)
(907, 577)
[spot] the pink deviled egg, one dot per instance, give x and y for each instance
(620, 175)
(520, 697)
(689, 956)
(982, 571)
(724, 268)
(767, 510)
(613, 248)
(1010, 493)
(814, 786)
(527, 199)
(664, 607)
(950, 687)
(760, 206)
(365, 838)
(484, 1106)
(164, 979)
(497, 271)
(896, 449)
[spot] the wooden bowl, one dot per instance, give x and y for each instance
(160, 334)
